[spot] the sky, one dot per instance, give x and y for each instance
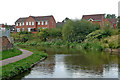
(11, 10)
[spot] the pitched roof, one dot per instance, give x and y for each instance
(113, 21)
(94, 17)
(36, 18)
(58, 24)
(21, 19)
(41, 18)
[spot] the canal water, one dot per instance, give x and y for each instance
(71, 63)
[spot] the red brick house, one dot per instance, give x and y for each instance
(100, 18)
(34, 23)
(113, 23)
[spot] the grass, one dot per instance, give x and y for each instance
(10, 53)
(13, 69)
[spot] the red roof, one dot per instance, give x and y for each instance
(94, 17)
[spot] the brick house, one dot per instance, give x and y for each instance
(33, 23)
(113, 23)
(100, 19)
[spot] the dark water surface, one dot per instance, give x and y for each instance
(71, 63)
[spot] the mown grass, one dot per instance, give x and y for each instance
(10, 53)
(13, 69)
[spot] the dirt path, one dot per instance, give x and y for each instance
(25, 53)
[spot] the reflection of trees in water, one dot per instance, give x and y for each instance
(46, 66)
(91, 61)
(94, 62)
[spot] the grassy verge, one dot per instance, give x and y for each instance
(13, 69)
(10, 53)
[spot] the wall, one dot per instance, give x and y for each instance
(6, 43)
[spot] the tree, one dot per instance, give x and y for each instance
(43, 34)
(111, 16)
(76, 30)
(118, 24)
(66, 19)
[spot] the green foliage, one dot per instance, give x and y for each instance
(111, 16)
(118, 24)
(10, 53)
(6, 26)
(100, 34)
(111, 45)
(43, 34)
(92, 46)
(22, 36)
(55, 33)
(76, 31)
(24, 32)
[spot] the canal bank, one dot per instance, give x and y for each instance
(11, 70)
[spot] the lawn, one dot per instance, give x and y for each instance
(10, 53)
(13, 69)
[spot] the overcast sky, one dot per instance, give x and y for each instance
(11, 10)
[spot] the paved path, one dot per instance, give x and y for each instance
(25, 53)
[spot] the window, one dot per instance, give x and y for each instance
(45, 22)
(32, 23)
(29, 23)
(42, 22)
(38, 23)
(29, 29)
(22, 29)
(26, 23)
(20, 24)
(18, 29)
(23, 23)
(16, 24)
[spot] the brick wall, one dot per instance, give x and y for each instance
(6, 43)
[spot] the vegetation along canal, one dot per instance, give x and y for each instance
(71, 63)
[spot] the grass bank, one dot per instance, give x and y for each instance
(10, 53)
(13, 69)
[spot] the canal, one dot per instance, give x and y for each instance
(72, 63)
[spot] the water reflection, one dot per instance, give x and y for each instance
(66, 63)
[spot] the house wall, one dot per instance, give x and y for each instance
(50, 24)
(41, 26)
(112, 25)
(30, 19)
